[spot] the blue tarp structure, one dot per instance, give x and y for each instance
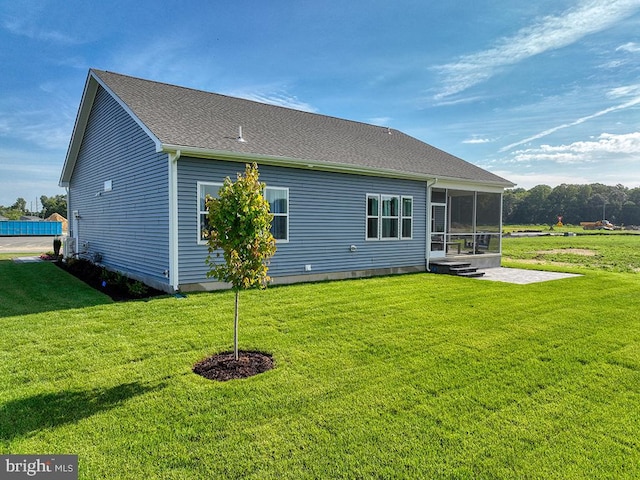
(18, 228)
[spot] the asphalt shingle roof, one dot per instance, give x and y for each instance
(208, 121)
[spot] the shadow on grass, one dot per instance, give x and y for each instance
(27, 288)
(19, 418)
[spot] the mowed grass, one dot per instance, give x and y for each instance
(414, 376)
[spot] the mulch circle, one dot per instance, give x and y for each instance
(224, 366)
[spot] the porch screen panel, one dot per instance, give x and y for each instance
(461, 211)
(488, 212)
(488, 222)
(438, 195)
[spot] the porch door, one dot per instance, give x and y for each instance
(438, 230)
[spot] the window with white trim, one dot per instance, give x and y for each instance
(406, 231)
(205, 189)
(389, 217)
(278, 199)
(373, 217)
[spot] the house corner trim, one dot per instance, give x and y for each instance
(173, 219)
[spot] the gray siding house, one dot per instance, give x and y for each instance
(349, 199)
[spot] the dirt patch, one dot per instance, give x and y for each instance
(533, 261)
(574, 251)
(224, 366)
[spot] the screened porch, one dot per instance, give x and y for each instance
(464, 223)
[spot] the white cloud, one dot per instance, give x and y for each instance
(630, 103)
(628, 143)
(529, 156)
(630, 47)
(624, 91)
(278, 98)
(550, 33)
(44, 128)
(605, 147)
(380, 121)
(23, 28)
(168, 60)
(477, 140)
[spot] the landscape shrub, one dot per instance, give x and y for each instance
(114, 284)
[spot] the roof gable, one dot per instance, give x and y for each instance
(208, 123)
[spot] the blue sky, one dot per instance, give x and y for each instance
(537, 92)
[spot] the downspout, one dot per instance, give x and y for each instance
(173, 219)
(73, 226)
(427, 253)
(66, 189)
(500, 236)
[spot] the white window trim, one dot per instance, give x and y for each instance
(218, 184)
(286, 189)
(201, 212)
(380, 197)
(384, 197)
(367, 217)
(402, 217)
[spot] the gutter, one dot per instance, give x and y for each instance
(283, 161)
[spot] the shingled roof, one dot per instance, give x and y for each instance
(191, 120)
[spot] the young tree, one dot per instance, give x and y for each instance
(240, 229)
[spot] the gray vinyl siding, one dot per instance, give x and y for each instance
(327, 214)
(128, 226)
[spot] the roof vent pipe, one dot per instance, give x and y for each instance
(240, 137)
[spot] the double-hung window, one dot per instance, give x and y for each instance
(389, 217)
(204, 189)
(373, 217)
(277, 197)
(407, 218)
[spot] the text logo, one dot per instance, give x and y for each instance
(41, 467)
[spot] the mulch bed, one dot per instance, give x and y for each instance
(91, 274)
(224, 366)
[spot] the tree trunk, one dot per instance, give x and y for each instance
(235, 328)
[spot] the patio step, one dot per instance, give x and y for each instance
(460, 269)
(474, 274)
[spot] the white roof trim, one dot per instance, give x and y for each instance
(283, 161)
(86, 104)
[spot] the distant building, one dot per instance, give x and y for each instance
(56, 217)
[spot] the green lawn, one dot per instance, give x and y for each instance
(415, 376)
(610, 252)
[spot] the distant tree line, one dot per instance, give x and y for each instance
(575, 203)
(50, 205)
